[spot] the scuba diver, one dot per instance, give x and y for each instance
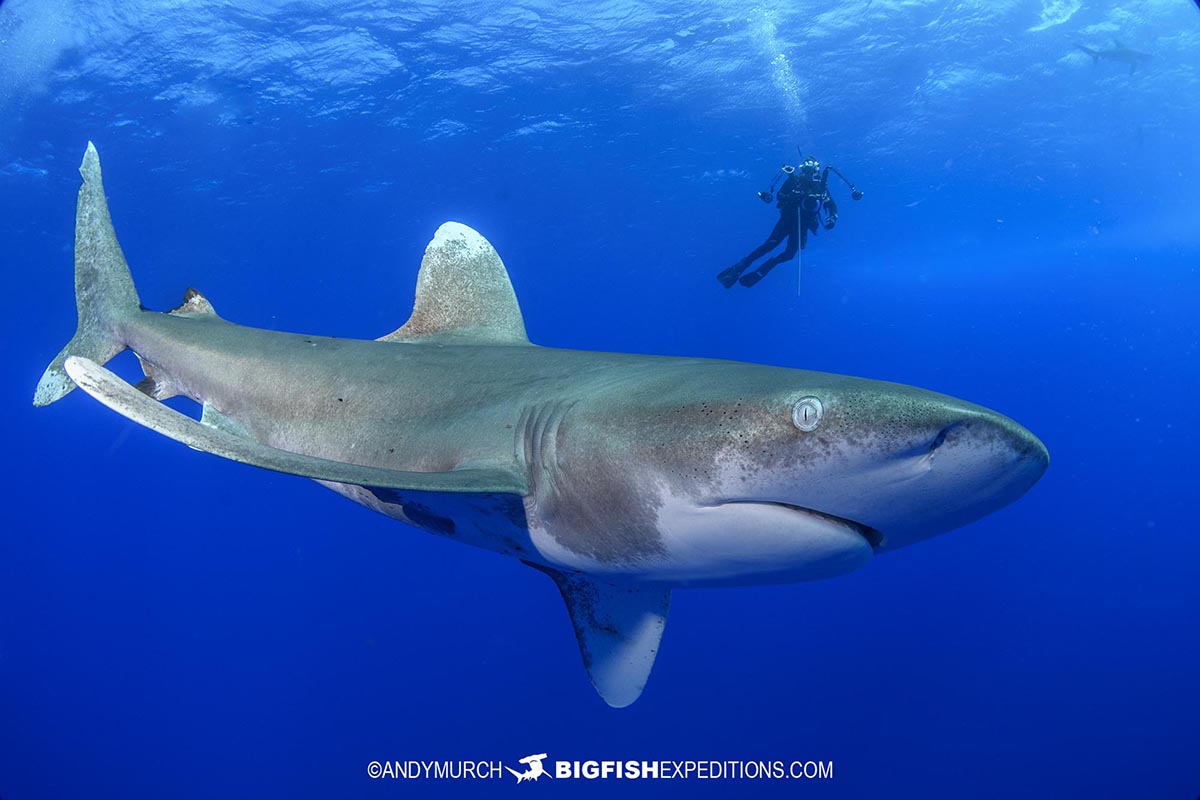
(804, 203)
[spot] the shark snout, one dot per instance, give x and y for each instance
(1001, 458)
(989, 435)
(975, 462)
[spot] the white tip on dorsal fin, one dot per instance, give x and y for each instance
(463, 293)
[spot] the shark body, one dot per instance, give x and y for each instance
(1118, 53)
(619, 476)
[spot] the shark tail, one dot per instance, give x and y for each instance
(104, 293)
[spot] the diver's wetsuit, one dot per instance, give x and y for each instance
(799, 201)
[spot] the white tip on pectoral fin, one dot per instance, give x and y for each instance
(619, 627)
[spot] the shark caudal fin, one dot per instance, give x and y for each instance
(104, 292)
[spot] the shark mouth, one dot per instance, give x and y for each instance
(873, 537)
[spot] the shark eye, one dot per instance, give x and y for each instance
(807, 413)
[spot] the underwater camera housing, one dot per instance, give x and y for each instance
(809, 169)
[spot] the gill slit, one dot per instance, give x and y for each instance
(536, 442)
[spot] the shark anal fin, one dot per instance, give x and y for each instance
(155, 384)
(464, 295)
(619, 627)
(219, 440)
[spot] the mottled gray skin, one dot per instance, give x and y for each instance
(597, 435)
(692, 419)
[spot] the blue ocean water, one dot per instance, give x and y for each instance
(176, 625)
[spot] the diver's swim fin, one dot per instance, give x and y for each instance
(728, 277)
(751, 278)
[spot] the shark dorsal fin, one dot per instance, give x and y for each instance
(194, 305)
(463, 294)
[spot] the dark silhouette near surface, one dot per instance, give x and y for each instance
(1120, 54)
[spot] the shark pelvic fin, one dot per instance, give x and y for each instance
(463, 294)
(219, 438)
(619, 627)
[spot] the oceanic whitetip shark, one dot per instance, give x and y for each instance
(619, 476)
(1120, 54)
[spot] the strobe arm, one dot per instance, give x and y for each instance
(769, 194)
(855, 192)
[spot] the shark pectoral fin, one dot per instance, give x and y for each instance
(464, 295)
(619, 627)
(220, 440)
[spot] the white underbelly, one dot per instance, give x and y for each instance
(748, 543)
(727, 545)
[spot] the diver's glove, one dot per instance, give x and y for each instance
(765, 197)
(830, 222)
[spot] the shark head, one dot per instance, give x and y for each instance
(755, 473)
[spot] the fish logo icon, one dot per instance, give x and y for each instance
(533, 771)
